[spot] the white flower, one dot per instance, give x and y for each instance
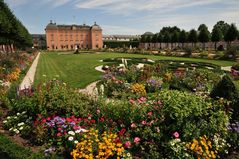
(18, 114)
(21, 128)
(70, 138)
(8, 117)
(15, 117)
(81, 130)
(17, 132)
(20, 124)
(10, 129)
(44, 75)
(71, 133)
(24, 112)
(4, 121)
(128, 154)
(75, 141)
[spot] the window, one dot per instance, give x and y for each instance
(66, 37)
(71, 37)
(61, 37)
(52, 37)
(77, 38)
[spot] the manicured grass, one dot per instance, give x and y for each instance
(78, 70)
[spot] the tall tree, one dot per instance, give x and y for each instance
(174, 37)
(160, 39)
(216, 36)
(222, 26)
(154, 38)
(166, 38)
(204, 34)
(193, 37)
(182, 37)
(148, 39)
(231, 34)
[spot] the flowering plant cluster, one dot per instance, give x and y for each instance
(96, 145)
(60, 131)
(138, 89)
(18, 124)
(203, 148)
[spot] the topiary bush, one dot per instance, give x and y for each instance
(226, 89)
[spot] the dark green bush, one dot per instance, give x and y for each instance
(227, 89)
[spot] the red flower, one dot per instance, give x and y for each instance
(48, 119)
(43, 121)
(121, 133)
(58, 134)
(75, 127)
(92, 121)
(102, 119)
(69, 120)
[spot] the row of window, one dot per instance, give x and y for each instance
(72, 47)
(71, 36)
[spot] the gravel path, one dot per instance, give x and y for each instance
(29, 78)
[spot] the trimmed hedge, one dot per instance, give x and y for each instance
(120, 44)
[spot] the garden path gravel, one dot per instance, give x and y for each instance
(29, 78)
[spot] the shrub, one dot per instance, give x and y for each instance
(226, 89)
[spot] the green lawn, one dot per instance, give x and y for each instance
(78, 69)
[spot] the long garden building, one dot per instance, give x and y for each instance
(72, 37)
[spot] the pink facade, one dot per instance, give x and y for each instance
(72, 37)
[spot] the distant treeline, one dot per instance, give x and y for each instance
(221, 31)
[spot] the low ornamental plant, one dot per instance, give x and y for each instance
(95, 145)
(19, 124)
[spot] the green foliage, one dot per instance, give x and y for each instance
(10, 150)
(231, 33)
(11, 29)
(191, 115)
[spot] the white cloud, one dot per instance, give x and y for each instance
(125, 7)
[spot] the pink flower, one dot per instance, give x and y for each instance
(131, 101)
(59, 129)
(143, 122)
(151, 122)
(98, 111)
(127, 144)
(150, 113)
(136, 140)
(176, 134)
(133, 125)
(58, 134)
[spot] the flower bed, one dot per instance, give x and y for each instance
(152, 112)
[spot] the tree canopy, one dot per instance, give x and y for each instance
(12, 31)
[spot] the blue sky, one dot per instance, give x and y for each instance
(125, 16)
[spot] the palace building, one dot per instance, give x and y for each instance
(72, 37)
